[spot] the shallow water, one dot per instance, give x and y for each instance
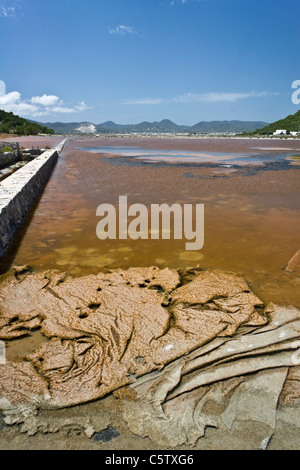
(251, 218)
(180, 156)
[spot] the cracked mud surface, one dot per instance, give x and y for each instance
(181, 351)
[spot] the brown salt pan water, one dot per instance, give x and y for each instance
(250, 189)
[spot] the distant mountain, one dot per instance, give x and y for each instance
(164, 126)
(66, 127)
(290, 123)
(227, 126)
(13, 124)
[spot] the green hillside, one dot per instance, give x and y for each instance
(12, 124)
(290, 123)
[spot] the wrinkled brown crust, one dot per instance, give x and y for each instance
(106, 330)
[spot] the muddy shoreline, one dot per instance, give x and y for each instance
(169, 353)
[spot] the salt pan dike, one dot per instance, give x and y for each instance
(18, 192)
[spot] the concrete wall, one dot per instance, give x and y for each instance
(18, 192)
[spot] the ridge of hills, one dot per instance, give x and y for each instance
(164, 126)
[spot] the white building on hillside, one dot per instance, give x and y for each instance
(280, 132)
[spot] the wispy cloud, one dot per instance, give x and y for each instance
(184, 2)
(210, 97)
(9, 8)
(217, 97)
(123, 30)
(7, 12)
(37, 105)
(144, 101)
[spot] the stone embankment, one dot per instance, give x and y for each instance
(18, 192)
(9, 153)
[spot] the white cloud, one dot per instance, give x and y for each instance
(22, 108)
(211, 97)
(45, 100)
(10, 98)
(37, 105)
(122, 30)
(81, 106)
(2, 88)
(59, 109)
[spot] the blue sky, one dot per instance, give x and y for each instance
(134, 60)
